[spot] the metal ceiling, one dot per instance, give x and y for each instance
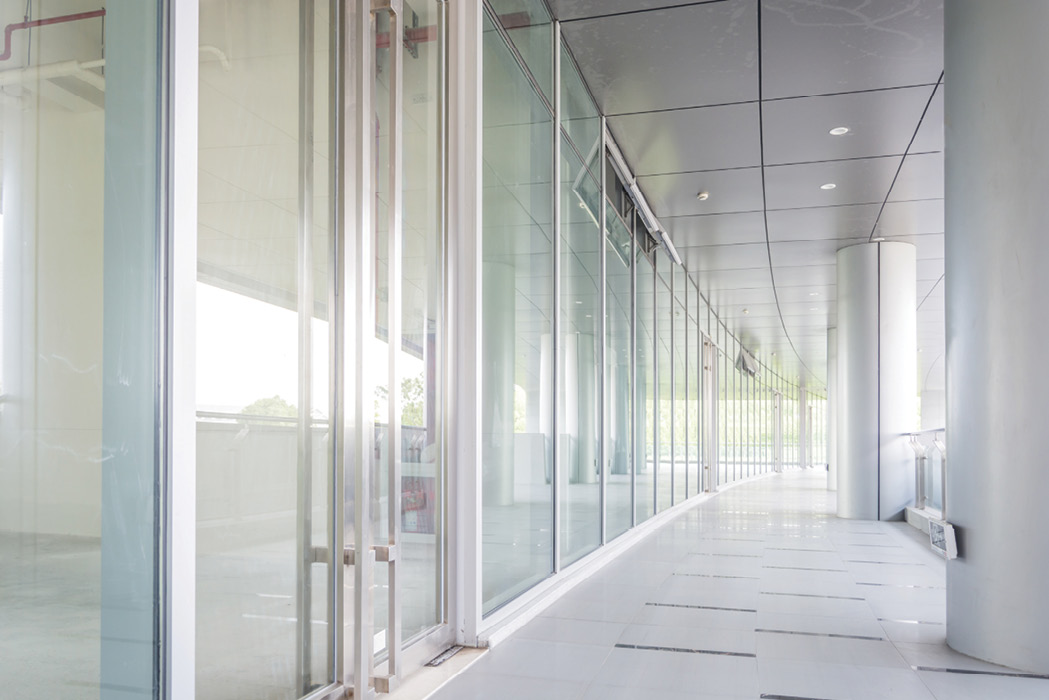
(737, 98)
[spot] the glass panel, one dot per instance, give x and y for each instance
(693, 410)
(619, 412)
(517, 377)
(79, 251)
(723, 427)
(263, 423)
(580, 333)
(645, 416)
(664, 376)
(579, 116)
(422, 324)
(682, 426)
(528, 24)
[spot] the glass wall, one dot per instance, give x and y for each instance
(693, 402)
(563, 434)
(578, 381)
(264, 422)
(664, 382)
(517, 328)
(645, 442)
(682, 426)
(80, 255)
(619, 405)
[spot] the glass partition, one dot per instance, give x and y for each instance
(664, 382)
(527, 23)
(80, 284)
(645, 412)
(693, 407)
(619, 406)
(517, 341)
(682, 426)
(264, 430)
(579, 378)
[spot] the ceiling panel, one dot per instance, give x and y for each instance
(921, 177)
(879, 123)
(911, 218)
(930, 133)
(730, 191)
(807, 252)
(705, 138)
(856, 182)
(715, 229)
(821, 223)
(725, 257)
(688, 56)
(816, 48)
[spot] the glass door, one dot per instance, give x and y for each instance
(396, 483)
(265, 569)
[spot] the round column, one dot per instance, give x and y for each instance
(877, 379)
(997, 218)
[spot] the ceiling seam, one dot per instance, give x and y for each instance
(786, 165)
(934, 286)
(821, 206)
(764, 206)
(906, 152)
(844, 93)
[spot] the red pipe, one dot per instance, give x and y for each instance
(30, 24)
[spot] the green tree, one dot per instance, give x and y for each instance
(273, 406)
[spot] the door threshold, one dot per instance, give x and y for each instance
(429, 679)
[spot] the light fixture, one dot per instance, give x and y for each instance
(578, 301)
(814, 294)
(589, 316)
(877, 240)
(703, 196)
(839, 131)
(813, 308)
(746, 311)
(828, 186)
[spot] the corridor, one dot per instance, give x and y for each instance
(759, 592)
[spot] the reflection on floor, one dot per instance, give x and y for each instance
(759, 592)
(50, 600)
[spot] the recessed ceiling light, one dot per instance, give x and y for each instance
(813, 308)
(589, 316)
(582, 205)
(828, 186)
(578, 301)
(703, 196)
(746, 311)
(814, 294)
(839, 131)
(878, 240)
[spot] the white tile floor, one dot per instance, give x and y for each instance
(760, 592)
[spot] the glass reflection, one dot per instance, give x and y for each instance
(517, 314)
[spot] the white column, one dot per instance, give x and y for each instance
(877, 379)
(997, 329)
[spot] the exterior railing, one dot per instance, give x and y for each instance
(930, 470)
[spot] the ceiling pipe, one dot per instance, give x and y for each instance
(10, 29)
